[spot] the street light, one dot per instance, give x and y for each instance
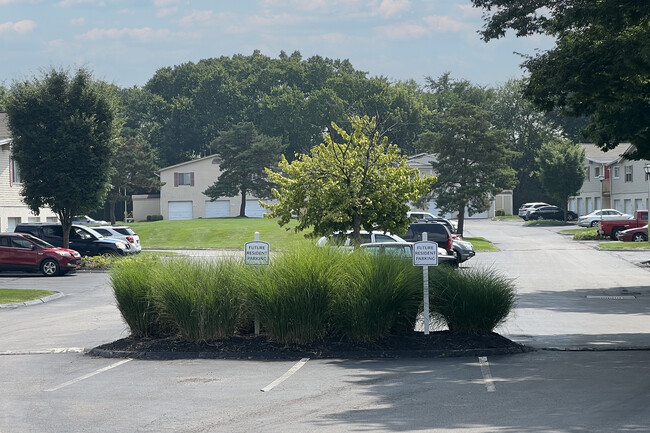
(646, 168)
(601, 178)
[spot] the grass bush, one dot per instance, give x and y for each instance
(204, 299)
(375, 297)
(134, 283)
(291, 295)
(500, 212)
(471, 301)
(588, 234)
(97, 263)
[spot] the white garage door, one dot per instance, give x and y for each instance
(180, 210)
(254, 210)
(217, 209)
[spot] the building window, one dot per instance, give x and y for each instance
(587, 172)
(184, 179)
(15, 173)
(617, 172)
(596, 172)
(628, 173)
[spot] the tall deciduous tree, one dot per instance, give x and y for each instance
(361, 182)
(561, 169)
(599, 67)
(63, 129)
(472, 160)
(245, 155)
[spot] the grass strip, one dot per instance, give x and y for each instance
(15, 296)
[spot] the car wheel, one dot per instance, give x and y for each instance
(571, 218)
(639, 237)
(594, 223)
(107, 253)
(614, 233)
(49, 268)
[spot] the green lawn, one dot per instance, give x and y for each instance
(481, 244)
(14, 296)
(616, 245)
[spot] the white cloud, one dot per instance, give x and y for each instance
(67, 3)
(388, 8)
(471, 11)
(444, 24)
(330, 38)
(144, 34)
(197, 17)
(79, 20)
(20, 27)
(403, 31)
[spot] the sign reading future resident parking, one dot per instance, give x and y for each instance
(425, 253)
(257, 252)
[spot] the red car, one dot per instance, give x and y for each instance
(637, 234)
(24, 252)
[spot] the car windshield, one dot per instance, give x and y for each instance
(39, 242)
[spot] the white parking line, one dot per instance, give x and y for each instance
(487, 376)
(286, 375)
(44, 351)
(86, 376)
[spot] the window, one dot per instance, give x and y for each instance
(15, 173)
(617, 172)
(596, 172)
(628, 173)
(587, 172)
(184, 179)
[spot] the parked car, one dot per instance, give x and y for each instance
(463, 250)
(339, 239)
(549, 213)
(24, 252)
(405, 250)
(528, 206)
(435, 232)
(418, 215)
(593, 219)
(613, 226)
(637, 234)
(124, 233)
(83, 239)
(86, 220)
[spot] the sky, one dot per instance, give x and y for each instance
(125, 42)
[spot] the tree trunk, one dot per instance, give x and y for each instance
(461, 221)
(66, 224)
(111, 207)
(242, 207)
(356, 230)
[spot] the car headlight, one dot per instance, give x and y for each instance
(64, 253)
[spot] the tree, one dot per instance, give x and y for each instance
(561, 169)
(472, 160)
(245, 154)
(361, 182)
(599, 67)
(63, 129)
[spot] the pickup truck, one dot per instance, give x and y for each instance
(613, 226)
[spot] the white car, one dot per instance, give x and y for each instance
(405, 250)
(366, 238)
(418, 215)
(86, 220)
(123, 233)
(593, 219)
(528, 206)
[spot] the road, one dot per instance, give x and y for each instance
(49, 386)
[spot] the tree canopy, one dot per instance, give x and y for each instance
(63, 130)
(244, 154)
(351, 181)
(599, 67)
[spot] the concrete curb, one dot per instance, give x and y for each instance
(57, 295)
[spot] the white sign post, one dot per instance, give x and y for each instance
(425, 254)
(257, 253)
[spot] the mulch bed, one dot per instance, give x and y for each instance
(436, 344)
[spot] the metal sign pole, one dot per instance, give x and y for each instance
(425, 278)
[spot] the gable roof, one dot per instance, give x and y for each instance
(5, 135)
(217, 160)
(595, 154)
(421, 160)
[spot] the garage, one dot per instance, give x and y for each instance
(254, 210)
(217, 209)
(180, 210)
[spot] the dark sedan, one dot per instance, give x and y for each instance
(550, 213)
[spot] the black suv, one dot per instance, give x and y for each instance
(437, 232)
(82, 239)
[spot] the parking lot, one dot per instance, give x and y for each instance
(571, 297)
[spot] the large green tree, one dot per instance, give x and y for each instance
(561, 169)
(599, 67)
(64, 136)
(351, 181)
(244, 154)
(472, 160)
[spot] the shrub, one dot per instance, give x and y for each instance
(500, 212)
(134, 281)
(154, 217)
(205, 300)
(472, 301)
(589, 234)
(101, 263)
(377, 296)
(291, 295)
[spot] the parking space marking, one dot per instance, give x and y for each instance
(285, 376)
(44, 351)
(86, 376)
(487, 376)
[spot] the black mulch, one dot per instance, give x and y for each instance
(436, 344)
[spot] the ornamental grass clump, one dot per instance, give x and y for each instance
(290, 297)
(204, 299)
(134, 281)
(375, 297)
(471, 301)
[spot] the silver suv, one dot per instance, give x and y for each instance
(124, 233)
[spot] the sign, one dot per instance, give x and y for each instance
(425, 253)
(257, 253)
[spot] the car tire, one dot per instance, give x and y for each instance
(570, 218)
(50, 268)
(639, 237)
(595, 223)
(615, 231)
(107, 253)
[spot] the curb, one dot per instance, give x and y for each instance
(57, 295)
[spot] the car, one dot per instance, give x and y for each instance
(86, 220)
(437, 232)
(337, 239)
(405, 250)
(24, 252)
(549, 213)
(528, 206)
(593, 219)
(637, 234)
(463, 250)
(124, 233)
(418, 215)
(82, 239)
